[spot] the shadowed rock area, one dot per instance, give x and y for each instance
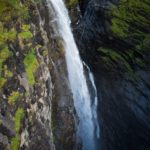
(113, 38)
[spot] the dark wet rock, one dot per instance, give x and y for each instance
(124, 113)
(124, 94)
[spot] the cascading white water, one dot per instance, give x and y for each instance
(94, 99)
(78, 85)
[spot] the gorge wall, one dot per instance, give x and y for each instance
(114, 39)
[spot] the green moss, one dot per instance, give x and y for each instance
(2, 6)
(113, 56)
(119, 27)
(25, 35)
(4, 54)
(7, 73)
(31, 66)
(131, 25)
(5, 7)
(25, 27)
(13, 98)
(15, 143)
(45, 53)
(71, 3)
(17, 119)
(2, 82)
(11, 35)
(12, 8)
(6, 35)
(130, 18)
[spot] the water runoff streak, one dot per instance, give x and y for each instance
(82, 99)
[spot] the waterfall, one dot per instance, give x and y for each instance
(94, 98)
(82, 98)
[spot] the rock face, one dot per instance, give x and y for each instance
(36, 107)
(112, 40)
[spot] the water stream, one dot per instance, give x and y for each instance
(88, 129)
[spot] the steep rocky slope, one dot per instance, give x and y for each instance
(36, 107)
(114, 38)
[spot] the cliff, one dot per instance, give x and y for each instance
(36, 107)
(113, 37)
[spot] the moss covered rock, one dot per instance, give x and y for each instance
(129, 33)
(71, 3)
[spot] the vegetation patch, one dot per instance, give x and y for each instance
(31, 66)
(15, 143)
(13, 15)
(4, 54)
(7, 73)
(25, 34)
(18, 118)
(130, 18)
(11, 8)
(13, 98)
(19, 115)
(2, 82)
(130, 29)
(7, 35)
(71, 3)
(111, 56)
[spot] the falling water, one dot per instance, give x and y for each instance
(94, 98)
(82, 99)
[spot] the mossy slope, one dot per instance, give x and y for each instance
(130, 35)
